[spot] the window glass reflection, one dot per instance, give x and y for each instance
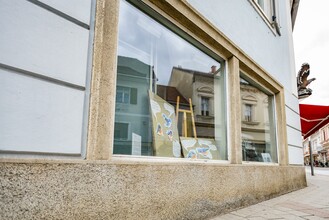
(258, 130)
(155, 67)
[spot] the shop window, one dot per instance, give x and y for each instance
(162, 63)
(258, 136)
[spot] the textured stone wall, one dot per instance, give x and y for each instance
(137, 190)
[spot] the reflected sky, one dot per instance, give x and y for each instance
(142, 38)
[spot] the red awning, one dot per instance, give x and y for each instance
(312, 118)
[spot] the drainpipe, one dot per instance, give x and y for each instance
(274, 20)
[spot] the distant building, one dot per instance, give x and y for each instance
(324, 134)
(316, 147)
(320, 147)
(315, 129)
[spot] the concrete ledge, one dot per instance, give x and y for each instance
(137, 191)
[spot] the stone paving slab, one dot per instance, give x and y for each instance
(310, 203)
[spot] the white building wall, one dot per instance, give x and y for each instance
(44, 74)
(243, 25)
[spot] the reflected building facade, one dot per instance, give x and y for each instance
(257, 125)
(208, 109)
(132, 119)
(201, 93)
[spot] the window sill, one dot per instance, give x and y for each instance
(251, 122)
(124, 159)
(260, 163)
(205, 116)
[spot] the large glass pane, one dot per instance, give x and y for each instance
(258, 124)
(155, 66)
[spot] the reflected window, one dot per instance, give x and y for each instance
(121, 131)
(166, 85)
(258, 135)
(205, 106)
(248, 112)
(123, 95)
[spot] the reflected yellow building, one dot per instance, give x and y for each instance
(255, 124)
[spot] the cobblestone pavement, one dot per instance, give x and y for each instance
(310, 203)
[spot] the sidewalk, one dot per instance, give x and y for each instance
(311, 202)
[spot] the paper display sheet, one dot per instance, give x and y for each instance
(266, 157)
(199, 148)
(164, 127)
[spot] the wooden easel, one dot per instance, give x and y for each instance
(185, 112)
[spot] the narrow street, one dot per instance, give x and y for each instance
(318, 170)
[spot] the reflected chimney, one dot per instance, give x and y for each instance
(213, 69)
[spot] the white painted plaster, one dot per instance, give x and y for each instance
(39, 41)
(79, 9)
(295, 155)
(38, 116)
